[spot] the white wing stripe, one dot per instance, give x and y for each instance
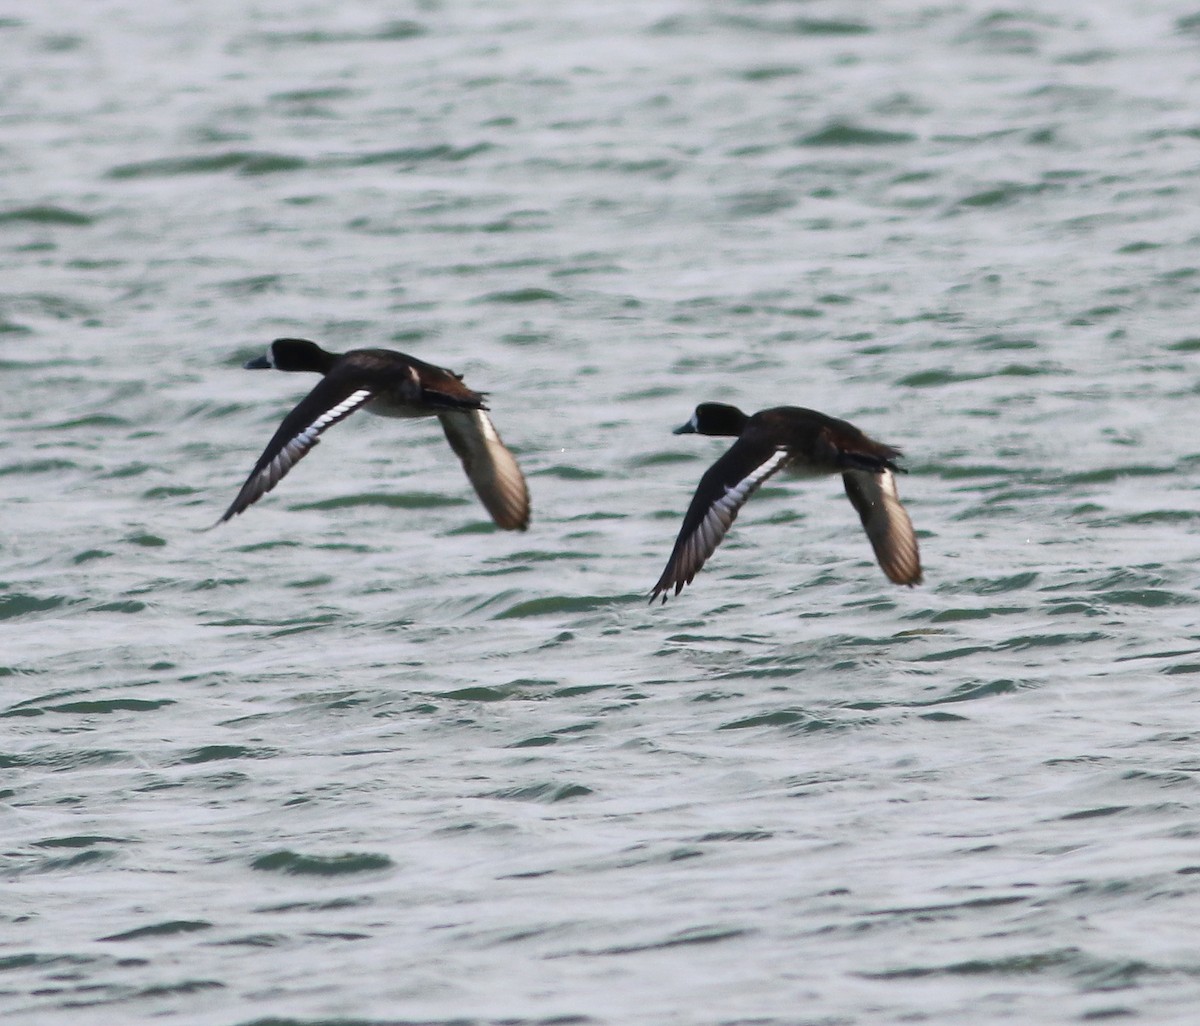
(721, 513)
(258, 484)
(329, 416)
(302, 442)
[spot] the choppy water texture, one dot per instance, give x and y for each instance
(358, 757)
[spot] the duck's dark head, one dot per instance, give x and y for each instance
(293, 354)
(714, 419)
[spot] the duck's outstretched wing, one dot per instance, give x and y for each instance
(491, 468)
(722, 491)
(318, 411)
(886, 522)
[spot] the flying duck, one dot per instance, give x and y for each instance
(809, 444)
(390, 384)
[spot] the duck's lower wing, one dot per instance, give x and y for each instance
(491, 468)
(886, 522)
(722, 491)
(323, 407)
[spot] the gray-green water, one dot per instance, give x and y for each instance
(358, 757)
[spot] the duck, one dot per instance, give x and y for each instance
(389, 384)
(809, 444)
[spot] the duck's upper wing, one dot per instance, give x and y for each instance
(324, 406)
(722, 491)
(886, 522)
(491, 468)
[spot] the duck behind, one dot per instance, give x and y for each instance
(807, 443)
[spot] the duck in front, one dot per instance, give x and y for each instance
(389, 384)
(807, 443)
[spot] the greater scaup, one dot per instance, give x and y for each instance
(808, 443)
(389, 384)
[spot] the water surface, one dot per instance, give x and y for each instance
(359, 757)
